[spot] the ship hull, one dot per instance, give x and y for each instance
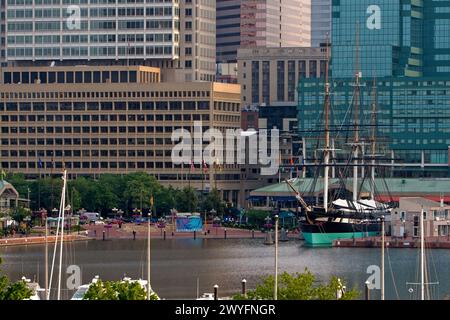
(324, 233)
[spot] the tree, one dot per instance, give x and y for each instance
(213, 201)
(139, 187)
(13, 291)
(299, 286)
(165, 200)
(120, 290)
(186, 200)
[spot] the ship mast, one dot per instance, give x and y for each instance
(327, 132)
(356, 121)
(373, 140)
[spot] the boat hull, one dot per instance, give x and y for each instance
(324, 233)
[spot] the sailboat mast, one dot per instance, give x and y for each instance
(148, 248)
(62, 209)
(46, 257)
(327, 131)
(422, 257)
(356, 110)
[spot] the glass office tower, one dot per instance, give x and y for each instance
(402, 45)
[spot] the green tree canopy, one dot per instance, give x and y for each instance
(299, 286)
(13, 291)
(186, 200)
(120, 290)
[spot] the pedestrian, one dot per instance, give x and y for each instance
(134, 235)
(95, 233)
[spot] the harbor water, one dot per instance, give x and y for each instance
(181, 268)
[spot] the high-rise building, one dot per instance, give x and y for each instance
(276, 23)
(112, 119)
(320, 22)
(2, 31)
(228, 30)
(400, 49)
(198, 39)
(177, 36)
(270, 76)
(261, 23)
(395, 38)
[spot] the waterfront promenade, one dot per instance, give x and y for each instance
(132, 231)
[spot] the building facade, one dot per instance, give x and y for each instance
(271, 75)
(177, 36)
(114, 119)
(405, 218)
(320, 22)
(400, 46)
(276, 23)
(413, 120)
(228, 30)
(395, 38)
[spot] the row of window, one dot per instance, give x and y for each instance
(116, 165)
(102, 118)
(124, 51)
(92, 12)
(58, 2)
(92, 38)
(119, 105)
(105, 130)
(86, 141)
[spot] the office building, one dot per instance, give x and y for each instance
(111, 119)
(320, 22)
(270, 76)
(403, 48)
(395, 38)
(261, 23)
(276, 23)
(228, 30)
(176, 36)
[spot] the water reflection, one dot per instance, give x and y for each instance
(177, 263)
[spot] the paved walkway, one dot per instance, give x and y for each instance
(126, 232)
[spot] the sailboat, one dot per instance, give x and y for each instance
(59, 234)
(346, 216)
(145, 284)
(423, 284)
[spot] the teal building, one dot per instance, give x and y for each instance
(403, 47)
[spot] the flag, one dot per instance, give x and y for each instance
(151, 200)
(40, 164)
(3, 174)
(205, 167)
(292, 165)
(192, 166)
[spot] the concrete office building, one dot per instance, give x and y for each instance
(270, 76)
(177, 36)
(258, 23)
(111, 119)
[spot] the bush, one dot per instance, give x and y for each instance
(298, 286)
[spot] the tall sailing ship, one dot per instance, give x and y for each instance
(344, 214)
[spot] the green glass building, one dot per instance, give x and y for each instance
(404, 47)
